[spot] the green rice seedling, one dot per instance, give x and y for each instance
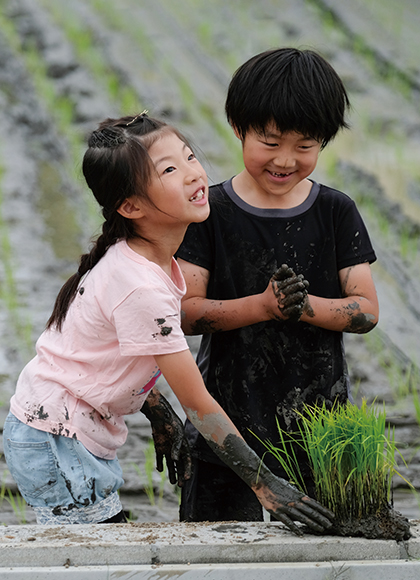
(408, 244)
(3, 487)
(18, 505)
(16, 501)
(416, 401)
(149, 467)
(8, 287)
(351, 453)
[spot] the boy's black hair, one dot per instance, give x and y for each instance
(296, 89)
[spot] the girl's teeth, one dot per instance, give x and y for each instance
(197, 197)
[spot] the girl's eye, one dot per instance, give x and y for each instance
(191, 156)
(169, 169)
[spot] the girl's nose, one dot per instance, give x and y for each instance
(194, 173)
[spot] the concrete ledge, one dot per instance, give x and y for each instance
(358, 570)
(195, 551)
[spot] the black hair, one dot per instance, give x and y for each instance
(116, 166)
(297, 90)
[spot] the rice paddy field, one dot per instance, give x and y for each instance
(66, 65)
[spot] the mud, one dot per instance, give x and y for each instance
(176, 58)
(388, 524)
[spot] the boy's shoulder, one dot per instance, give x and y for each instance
(218, 190)
(222, 196)
(330, 195)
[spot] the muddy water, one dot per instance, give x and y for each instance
(176, 58)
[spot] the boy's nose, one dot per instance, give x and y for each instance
(284, 159)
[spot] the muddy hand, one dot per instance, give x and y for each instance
(287, 504)
(169, 438)
(291, 291)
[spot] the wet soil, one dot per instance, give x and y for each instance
(175, 58)
(388, 524)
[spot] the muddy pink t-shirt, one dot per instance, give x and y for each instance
(101, 365)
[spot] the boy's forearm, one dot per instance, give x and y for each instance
(354, 314)
(205, 316)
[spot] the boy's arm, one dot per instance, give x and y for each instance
(281, 499)
(204, 315)
(357, 311)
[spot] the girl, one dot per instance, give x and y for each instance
(114, 328)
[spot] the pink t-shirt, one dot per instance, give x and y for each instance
(101, 366)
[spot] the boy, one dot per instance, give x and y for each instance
(285, 105)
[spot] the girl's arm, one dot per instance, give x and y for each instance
(278, 497)
(168, 437)
(356, 312)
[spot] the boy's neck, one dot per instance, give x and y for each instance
(248, 190)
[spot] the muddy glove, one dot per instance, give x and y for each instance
(291, 291)
(169, 438)
(289, 504)
(281, 499)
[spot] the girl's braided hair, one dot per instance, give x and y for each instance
(116, 166)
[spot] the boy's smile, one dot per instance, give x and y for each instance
(276, 167)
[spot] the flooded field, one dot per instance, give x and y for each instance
(66, 65)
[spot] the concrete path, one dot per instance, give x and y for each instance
(210, 551)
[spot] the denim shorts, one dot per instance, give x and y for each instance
(59, 477)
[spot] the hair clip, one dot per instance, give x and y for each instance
(143, 114)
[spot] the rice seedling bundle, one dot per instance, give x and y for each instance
(352, 456)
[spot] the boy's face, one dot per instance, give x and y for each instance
(277, 163)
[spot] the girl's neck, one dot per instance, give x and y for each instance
(160, 254)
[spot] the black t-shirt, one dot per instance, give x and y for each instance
(266, 371)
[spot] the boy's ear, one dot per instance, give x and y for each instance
(131, 209)
(235, 130)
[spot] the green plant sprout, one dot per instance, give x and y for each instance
(402, 376)
(17, 502)
(351, 453)
(8, 287)
(149, 467)
(90, 55)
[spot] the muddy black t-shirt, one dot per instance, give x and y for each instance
(268, 370)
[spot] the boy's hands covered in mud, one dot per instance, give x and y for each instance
(291, 291)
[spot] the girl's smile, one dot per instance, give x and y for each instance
(179, 178)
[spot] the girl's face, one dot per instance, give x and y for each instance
(179, 187)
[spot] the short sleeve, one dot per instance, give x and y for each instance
(352, 238)
(148, 322)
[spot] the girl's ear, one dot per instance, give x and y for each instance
(131, 209)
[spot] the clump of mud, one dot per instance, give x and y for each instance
(387, 524)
